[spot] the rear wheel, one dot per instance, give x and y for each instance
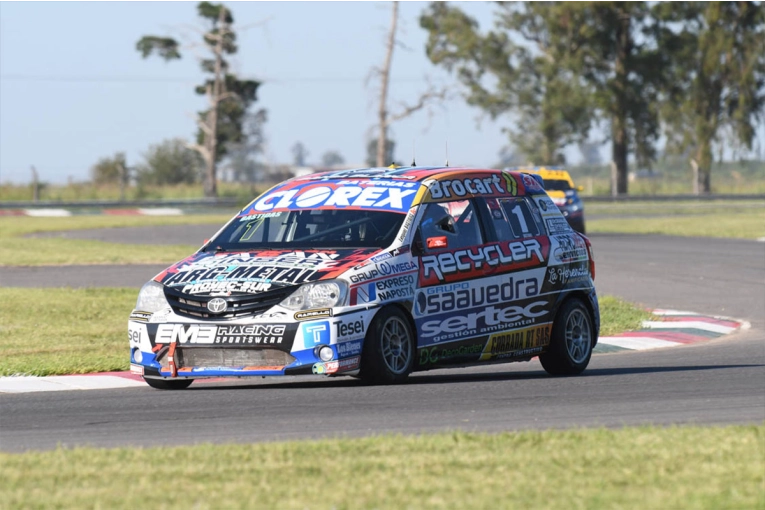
(388, 354)
(571, 340)
(167, 384)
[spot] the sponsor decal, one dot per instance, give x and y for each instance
(335, 366)
(463, 187)
(530, 183)
(136, 369)
(472, 262)
(407, 224)
(315, 333)
(570, 248)
(335, 196)
(521, 342)
(557, 225)
(256, 334)
(398, 287)
(451, 351)
(226, 288)
(563, 275)
(360, 173)
(312, 314)
(352, 329)
(345, 349)
(489, 319)
(384, 269)
(467, 295)
(546, 205)
(140, 316)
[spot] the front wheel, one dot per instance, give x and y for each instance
(167, 384)
(388, 354)
(571, 340)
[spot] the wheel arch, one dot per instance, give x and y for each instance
(585, 297)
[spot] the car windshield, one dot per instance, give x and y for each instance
(557, 185)
(310, 229)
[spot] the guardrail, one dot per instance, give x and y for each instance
(668, 198)
(110, 204)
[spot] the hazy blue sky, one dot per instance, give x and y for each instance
(73, 88)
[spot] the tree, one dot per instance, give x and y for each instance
(384, 117)
(717, 52)
(590, 152)
(372, 153)
(110, 170)
(241, 161)
(536, 82)
(299, 154)
(580, 61)
(228, 97)
(170, 162)
(332, 158)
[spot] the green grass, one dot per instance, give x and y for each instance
(58, 331)
(726, 219)
(17, 250)
(617, 315)
(637, 467)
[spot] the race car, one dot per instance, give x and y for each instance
(560, 187)
(374, 273)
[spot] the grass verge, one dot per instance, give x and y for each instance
(56, 331)
(743, 220)
(17, 250)
(638, 467)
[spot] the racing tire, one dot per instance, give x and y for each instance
(389, 348)
(571, 341)
(165, 384)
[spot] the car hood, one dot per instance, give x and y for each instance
(254, 272)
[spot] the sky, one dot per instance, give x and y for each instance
(73, 88)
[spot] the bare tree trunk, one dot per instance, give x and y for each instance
(614, 179)
(219, 89)
(382, 113)
(35, 185)
(695, 167)
(619, 133)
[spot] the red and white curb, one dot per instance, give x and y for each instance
(674, 328)
(60, 213)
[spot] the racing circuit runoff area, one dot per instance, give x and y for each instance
(718, 381)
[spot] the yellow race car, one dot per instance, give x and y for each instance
(561, 189)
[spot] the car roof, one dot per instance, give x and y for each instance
(397, 188)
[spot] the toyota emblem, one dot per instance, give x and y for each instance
(217, 305)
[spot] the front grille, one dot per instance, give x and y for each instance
(242, 305)
(227, 358)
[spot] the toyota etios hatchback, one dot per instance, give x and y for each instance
(374, 273)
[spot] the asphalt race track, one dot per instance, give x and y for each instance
(716, 382)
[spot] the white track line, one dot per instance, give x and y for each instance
(636, 343)
(26, 384)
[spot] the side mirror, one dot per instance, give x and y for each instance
(580, 188)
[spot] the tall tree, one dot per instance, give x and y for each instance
(384, 117)
(718, 77)
(228, 96)
(577, 61)
(535, 80)
(170, 162)
(388, 155)
(299, 154)
(110, 170)
(332, 158)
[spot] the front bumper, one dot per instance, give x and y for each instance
(200, 350)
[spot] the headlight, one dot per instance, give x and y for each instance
(151, 298)
(317, 295)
